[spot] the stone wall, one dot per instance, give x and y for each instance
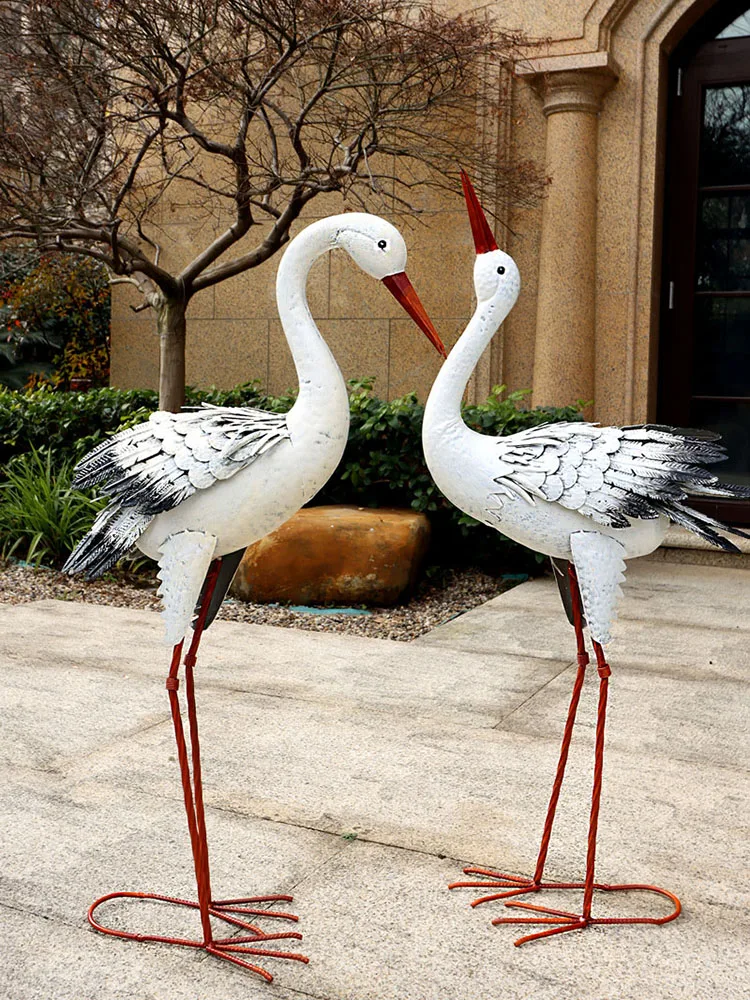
(590, 103)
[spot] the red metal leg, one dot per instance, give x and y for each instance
(231, 911)
(583, 659)
(596, 792)
(200, 850)
(513, 885)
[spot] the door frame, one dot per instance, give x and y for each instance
(694, 66)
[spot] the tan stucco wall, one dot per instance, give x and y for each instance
(234, 334)
(233, 330)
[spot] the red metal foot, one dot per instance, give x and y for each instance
(232, 912)
(512, 885)
(563, 920)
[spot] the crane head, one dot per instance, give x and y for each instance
(495, 272)
(379, 249)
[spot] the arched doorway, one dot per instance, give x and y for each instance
(704, 358)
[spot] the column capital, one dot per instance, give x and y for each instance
(570, 83)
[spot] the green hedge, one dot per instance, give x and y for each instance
(67, 423)
(383, 464)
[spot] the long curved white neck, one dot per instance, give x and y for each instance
(444, 403)
(319, 375)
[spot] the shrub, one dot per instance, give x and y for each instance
(383, 464)
(71, 423)
(41, 516)
(67, 423)
(54, 319)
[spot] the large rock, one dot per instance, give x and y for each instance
(336, 555)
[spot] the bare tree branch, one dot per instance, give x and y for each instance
(113, 114)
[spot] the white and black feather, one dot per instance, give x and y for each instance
(112, 535)
(153, 467)
(614, 474)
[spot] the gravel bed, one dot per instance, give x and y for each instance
(434, 602)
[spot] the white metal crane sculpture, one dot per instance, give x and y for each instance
(193, 489)
(590, 497)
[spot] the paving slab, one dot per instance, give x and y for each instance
(382, 928)
(48, 960)
(467, 793)
(362, 775)
(265, 660)
(679, 713)
(68, 842)
(63, 711)
(662, 626)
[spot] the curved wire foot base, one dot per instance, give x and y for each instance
(562, 920)
(233, 912)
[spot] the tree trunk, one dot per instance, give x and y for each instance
(170, 323)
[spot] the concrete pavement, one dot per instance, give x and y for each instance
(361, 774)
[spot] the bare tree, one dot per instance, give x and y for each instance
(109, 107)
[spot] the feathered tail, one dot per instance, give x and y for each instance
(704, 525)
(112, 535)
(695, 448)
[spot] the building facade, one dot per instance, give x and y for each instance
(635, 265)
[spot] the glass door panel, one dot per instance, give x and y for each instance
(721, 356)
(731, 419)
(720, 391)
(725, 135)
(724, 243)
(739, 28)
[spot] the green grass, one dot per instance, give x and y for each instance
(42, 517)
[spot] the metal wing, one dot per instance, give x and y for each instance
(156, 465)
(610, 474)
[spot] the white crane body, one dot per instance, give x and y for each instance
(539, 524)
(193, 490)
(547, 485)
(259, 498)
(590, 497)
(216, 479)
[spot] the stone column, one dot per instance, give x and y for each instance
(572, 88)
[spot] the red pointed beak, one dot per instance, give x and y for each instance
(403, 292)
(484, 238)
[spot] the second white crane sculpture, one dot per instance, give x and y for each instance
(193, 489)
(590, 497)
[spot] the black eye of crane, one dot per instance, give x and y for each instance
(382, 244)
(501, 270)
